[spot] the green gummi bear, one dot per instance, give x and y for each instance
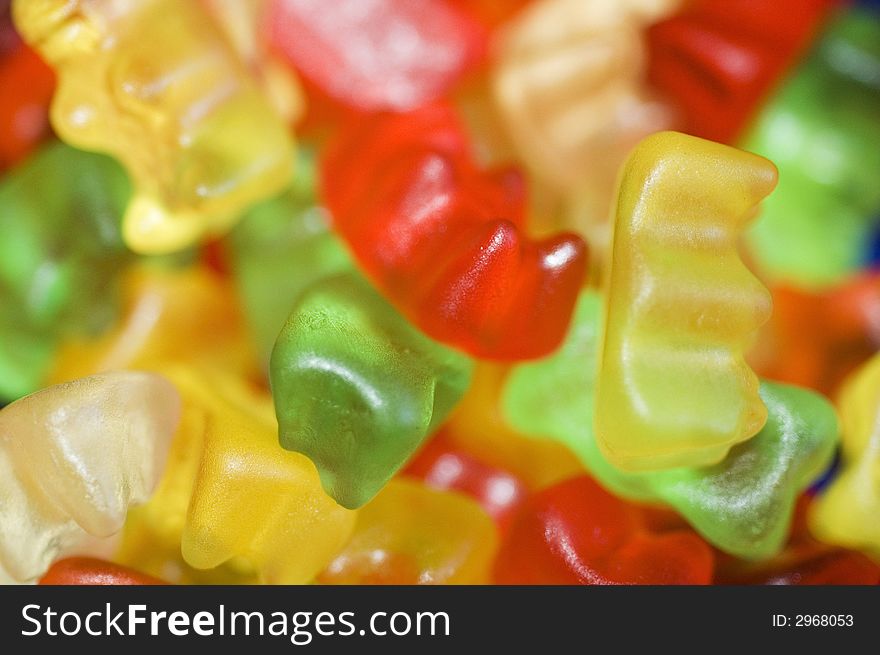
(743, 504)
(280, 247)
(60, 251)
(357, 388)
(822, 129)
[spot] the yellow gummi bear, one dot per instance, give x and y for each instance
(168, 315)
(569, 87)
(157, 85)
(73, 458)
(411, 534)
(232, 496)
(242, 21)
(673, 388)
(848, 512)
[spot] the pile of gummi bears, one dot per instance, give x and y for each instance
(440, 291)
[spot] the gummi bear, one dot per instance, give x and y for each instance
(846, 512)
(73, 458)
(673, 388)
(187, 120)
(410, 534)
(357, 388)
(444, 240)
(230, 494)
(376, 55)
(577, 533)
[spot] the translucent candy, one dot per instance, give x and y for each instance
(410, 534)
(168, 315)
(231, 495)
(569, 86)
(357, 388)
(673, 387)
(186, 119)
(73, 458)
(847, 512)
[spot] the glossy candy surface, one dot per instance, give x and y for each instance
(445, 241)
(743, 504)
(673, 388)
(440, 464)
(353, 51)
(410, 534)
(718, 59)
(231, 497)
(577, 533)
(357, 388)
(73, 458)
(846, 512)
(90, 571)
(187, 120)
(491, 321)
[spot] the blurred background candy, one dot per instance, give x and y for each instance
(821, 127)
(60, 254)
(439, 292)
(187, 120)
